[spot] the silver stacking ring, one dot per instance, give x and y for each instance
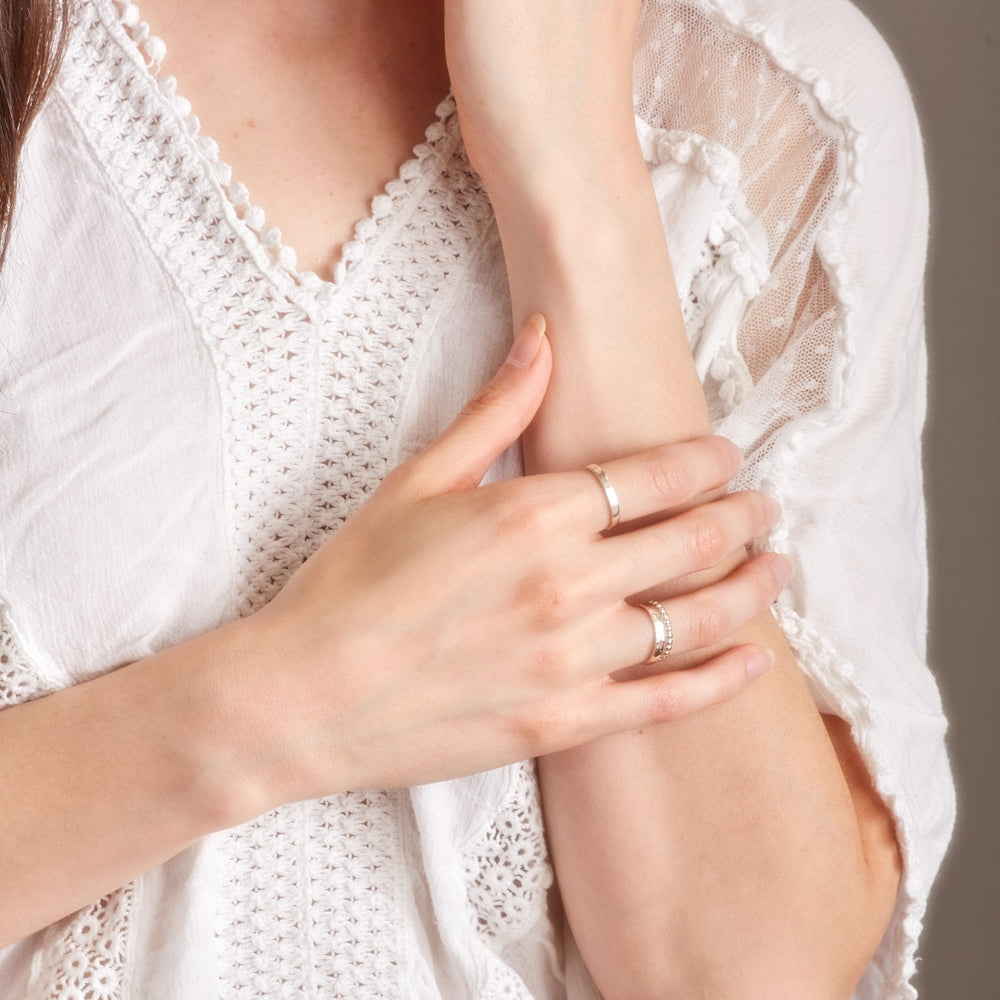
(614, 508)
(663, 631)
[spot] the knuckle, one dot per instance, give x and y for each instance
(669, 477)
(706, 539)
(549, 600)
(540, 726)
(533, 518)
(486, 400)
(667, 700)
(708, 624)
(526, 728)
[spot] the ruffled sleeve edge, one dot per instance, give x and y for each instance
(836, 691)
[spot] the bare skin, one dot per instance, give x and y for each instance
(836, 804)
(279, 88)
(742, 852)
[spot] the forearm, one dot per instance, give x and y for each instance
(720, 856)
(107, 779)
(589, 249)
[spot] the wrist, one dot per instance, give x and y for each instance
(268, 700)
(562, 230)
(226, 737)
(552, 192)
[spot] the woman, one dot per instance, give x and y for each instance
(303, 782)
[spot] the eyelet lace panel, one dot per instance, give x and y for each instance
(507, 870)
(85, 956)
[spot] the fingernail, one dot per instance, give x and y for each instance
(737, 454)
(758, 662)
(525, 347)
(773, 508)
(783, 570)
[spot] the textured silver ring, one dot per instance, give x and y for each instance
(663, 631)
(614, 508)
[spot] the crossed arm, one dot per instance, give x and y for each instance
(741, 852)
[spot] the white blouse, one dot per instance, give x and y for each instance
(184, 415)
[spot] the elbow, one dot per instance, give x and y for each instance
(819, 951)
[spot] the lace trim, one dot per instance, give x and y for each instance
(727, 266)
(20, 681)
(726, 262)
(719, 164)
(83, 957)
(852, 147)
(384, 207)
(800, 354)
(507, 872)
(834, 688)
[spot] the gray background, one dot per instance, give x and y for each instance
(950, 52)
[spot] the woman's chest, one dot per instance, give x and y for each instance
(190, 414)
(314, 105)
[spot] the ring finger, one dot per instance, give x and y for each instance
(625, 638)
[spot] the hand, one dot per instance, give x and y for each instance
(449, 628)
(541, 82)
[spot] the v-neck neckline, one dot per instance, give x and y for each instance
(264, 241)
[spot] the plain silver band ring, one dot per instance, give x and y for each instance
(614, 508)
(663, 631)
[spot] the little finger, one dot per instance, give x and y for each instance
(627, 705)
(697, 620)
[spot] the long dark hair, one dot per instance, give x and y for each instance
(31, 42)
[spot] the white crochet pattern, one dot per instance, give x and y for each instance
(311, 901)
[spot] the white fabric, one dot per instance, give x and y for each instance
(184, 416)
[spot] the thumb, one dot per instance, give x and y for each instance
(493, 419)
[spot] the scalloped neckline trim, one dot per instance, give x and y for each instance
(281, 258)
